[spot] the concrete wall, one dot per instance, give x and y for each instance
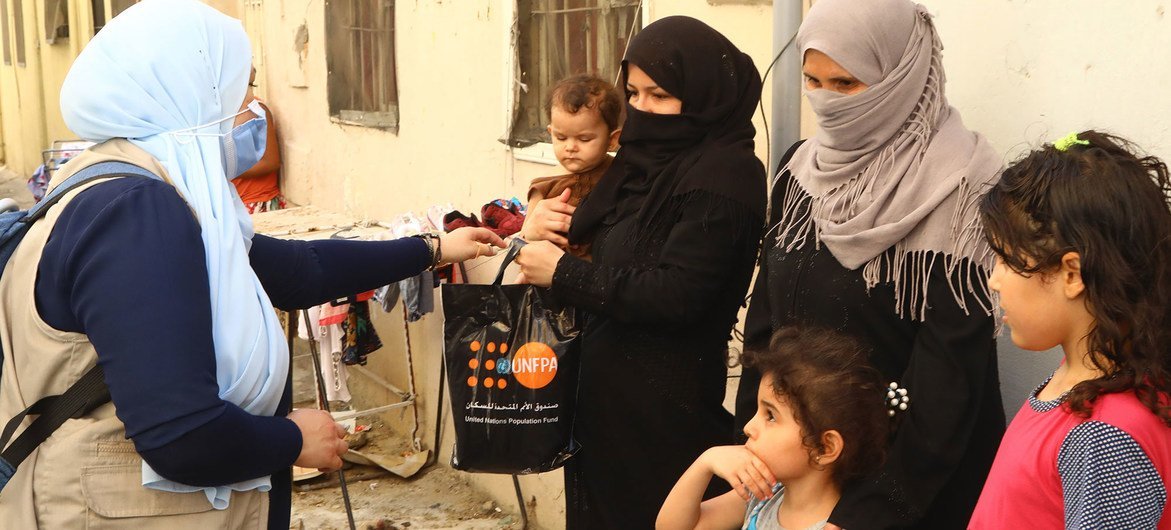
(1025, 72)
(30, 110)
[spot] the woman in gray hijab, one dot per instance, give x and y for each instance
(873, 232)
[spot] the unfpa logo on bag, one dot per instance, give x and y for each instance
(534, 365)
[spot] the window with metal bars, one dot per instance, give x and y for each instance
(99, 10)
(18, 27)
(118, 6)
(56, 21)
(559, 38)
(359, 47)
(4, 31)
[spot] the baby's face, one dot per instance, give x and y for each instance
(580, 139)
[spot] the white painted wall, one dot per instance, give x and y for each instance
(1025, 72)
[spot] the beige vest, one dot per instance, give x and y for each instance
(87, 475)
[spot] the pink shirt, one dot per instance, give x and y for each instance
(1111, 468)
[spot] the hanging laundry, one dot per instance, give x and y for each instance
(435, 215)
(418, 295)
(330, 346)
(333, 313)
(360, 337)
(408, 224)
(387, 296)
(38, 183)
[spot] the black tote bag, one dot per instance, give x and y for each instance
(511, 354)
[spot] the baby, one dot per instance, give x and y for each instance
(584, 117)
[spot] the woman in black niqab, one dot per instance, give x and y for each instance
(663, 155)
(674, 224)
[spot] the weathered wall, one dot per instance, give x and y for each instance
(1026, 72)
(30, 108)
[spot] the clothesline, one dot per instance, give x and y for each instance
(309, 223)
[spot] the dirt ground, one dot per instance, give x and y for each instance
(437, 497)
(15, 186)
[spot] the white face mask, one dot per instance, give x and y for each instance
(243, 146)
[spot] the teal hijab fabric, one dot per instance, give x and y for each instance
(168, 75)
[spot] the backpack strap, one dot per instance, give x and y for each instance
(86, 394)
(13, 225)
(101, 170)
(90, 391)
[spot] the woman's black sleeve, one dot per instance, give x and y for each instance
(301, 274)
(705, 246)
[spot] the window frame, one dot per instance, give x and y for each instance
(20, 50)
(57, 34)
(387, 120)
(6, 32)
(540, 152)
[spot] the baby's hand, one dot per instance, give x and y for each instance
(549, 220)
(747, 474)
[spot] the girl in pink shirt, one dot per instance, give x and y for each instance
(1082, 233)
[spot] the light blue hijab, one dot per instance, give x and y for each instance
(161, 67)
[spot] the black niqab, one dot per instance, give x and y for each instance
(709, 146)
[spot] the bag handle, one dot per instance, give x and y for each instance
(509, 256)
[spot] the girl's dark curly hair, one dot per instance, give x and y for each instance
(826, 379)
(1107, 202)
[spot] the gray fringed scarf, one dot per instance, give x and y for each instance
(893, 165)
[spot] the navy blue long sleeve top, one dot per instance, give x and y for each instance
(125, 265)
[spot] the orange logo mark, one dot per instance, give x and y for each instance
(472, 381)
(534, 365)
(490, 365)
(503, 348)
(474, 363)
(488, 382)
(491, 347)
(501, 383)
(475, 345)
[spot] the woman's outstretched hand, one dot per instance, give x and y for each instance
(466, 243)
(537, 263)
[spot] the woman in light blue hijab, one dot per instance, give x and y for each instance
(169, 284)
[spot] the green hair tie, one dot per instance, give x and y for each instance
(1068, 141)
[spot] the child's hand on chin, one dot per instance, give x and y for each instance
(748, 475)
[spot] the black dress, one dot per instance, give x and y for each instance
(653, 365)
(944, 444)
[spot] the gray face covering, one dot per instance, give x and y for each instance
(891, 167)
